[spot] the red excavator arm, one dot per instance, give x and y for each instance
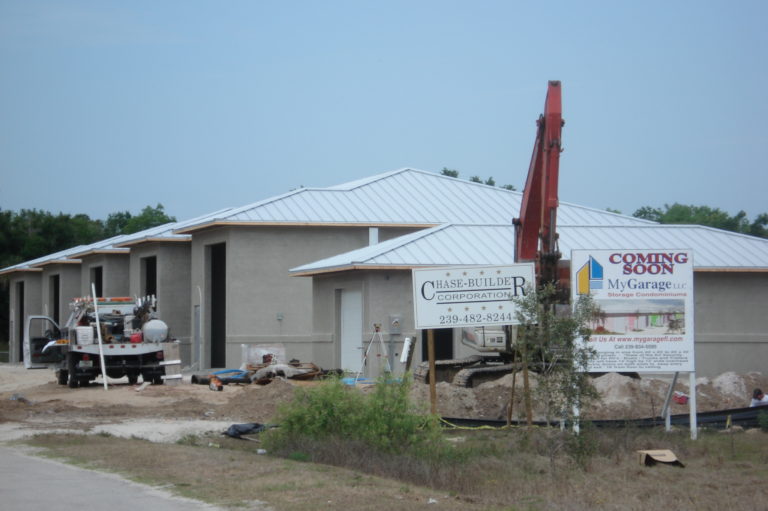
(535, 230)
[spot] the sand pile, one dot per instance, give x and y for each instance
(622, 397)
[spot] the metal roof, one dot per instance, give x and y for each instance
(167, 232)
(402, 197)
(467, 245)
(33, 265)
(116, 244)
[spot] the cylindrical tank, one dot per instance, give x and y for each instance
(155, 330)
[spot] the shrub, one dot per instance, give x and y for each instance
(384, 420)
(762, 420)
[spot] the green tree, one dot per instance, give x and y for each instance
(30, 233)
(149, 217)
(449, 172)
(554, 345)
(759, 227)
(116, 223)
(705, 215)
(474, 179)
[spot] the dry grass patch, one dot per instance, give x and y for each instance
(230, 473)
(505, 470)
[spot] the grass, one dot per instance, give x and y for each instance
(513, 469)
(337, 447)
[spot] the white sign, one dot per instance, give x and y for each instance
(646, 303)
(458, 296)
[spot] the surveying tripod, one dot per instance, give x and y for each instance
(375, 337)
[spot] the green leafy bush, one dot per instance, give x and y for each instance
(384, 419)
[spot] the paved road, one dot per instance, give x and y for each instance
(30, 483)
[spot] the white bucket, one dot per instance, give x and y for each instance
(84, 334)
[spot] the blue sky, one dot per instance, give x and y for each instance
(110, 106)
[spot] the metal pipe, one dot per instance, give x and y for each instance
(98, 334)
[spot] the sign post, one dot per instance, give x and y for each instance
(646, 303)
(462, 296)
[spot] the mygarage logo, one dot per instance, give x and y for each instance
(589, 276)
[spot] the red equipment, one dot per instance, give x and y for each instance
(535, 230)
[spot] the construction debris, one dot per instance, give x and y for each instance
(261, 374)
(653, 456)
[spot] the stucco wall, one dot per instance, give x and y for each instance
(69, 288)
(265, 305)
(386, 297)
(32, 303)
(260, 289)
(199, 290)
(731, 321)
(731, 318)
(173, 287)
(114, 274)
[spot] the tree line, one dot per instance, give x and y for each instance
(707, 216)
(31, 233)
(675, 214)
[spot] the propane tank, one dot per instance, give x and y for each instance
(155, 330)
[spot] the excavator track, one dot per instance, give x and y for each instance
(471, 376)
(445, 370)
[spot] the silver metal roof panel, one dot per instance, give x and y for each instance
(493, 244)
(405, 197)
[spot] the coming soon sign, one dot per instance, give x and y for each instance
(646, 302)
(460, 296)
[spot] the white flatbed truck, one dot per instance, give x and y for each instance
(133, 342)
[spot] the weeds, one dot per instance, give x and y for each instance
(506, 469)
(762, 420)
(582, 447)
(384, 420)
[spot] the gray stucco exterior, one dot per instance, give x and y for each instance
(386, 297)
(173, 279)
(26, 299)
(69, 287)
(731, 324)
(115, 268)
(265, 305)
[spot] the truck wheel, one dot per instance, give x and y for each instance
(133, 378)
(157, 380)
(73, 382)
(62, 376)
(85, 382)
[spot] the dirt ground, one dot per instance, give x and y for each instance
(622, 397)
(31, 401)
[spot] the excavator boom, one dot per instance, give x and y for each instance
(535, 229)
